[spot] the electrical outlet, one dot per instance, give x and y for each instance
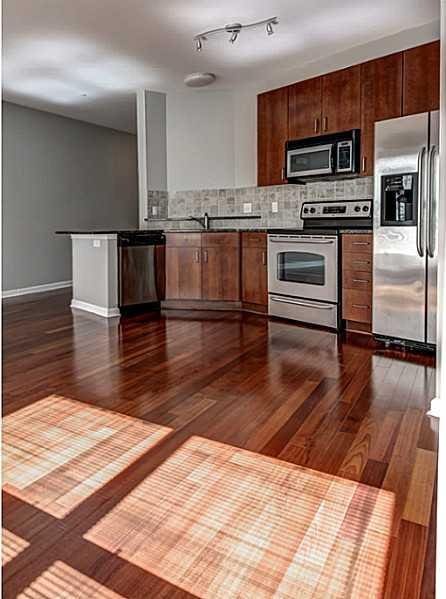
(274, 206)
(96, 243)
(247, 208)
(154, 210)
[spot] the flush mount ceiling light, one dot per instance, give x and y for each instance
(199, 79)
(234, 31)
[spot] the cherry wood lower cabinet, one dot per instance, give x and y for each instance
(183, 266)
(203, 266)
(357, 283)
(221, 266)
(254, 271)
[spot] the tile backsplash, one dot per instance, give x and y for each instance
(228, 202)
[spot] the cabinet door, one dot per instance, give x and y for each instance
(381, 98)
(254, 276)
(272, 133)
(183, 273)
(221, 273)
(421, 92)
(341, 102)
(305, 108)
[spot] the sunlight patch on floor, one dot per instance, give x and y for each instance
(12, 545)
(57, 451)
(60, 581)
(221, 522)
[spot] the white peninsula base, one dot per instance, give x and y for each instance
(95, 274)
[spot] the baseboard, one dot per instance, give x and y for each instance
(36, 289)
(94, 309)
(436, 407)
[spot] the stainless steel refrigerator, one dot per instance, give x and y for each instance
(406, 202)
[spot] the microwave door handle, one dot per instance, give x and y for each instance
(420, 203)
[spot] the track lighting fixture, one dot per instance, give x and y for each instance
(234, 31)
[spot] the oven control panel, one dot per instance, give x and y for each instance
(352, 209)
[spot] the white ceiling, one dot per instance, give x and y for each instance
(86, 58)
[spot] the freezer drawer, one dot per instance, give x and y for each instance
(304, 310)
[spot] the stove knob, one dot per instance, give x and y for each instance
(312, 210)
(357, 208)
(305, 210)
(365, 208)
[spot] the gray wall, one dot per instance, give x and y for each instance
(59, 173)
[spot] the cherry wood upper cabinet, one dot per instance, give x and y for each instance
(381, 98)
(305, 106)
(272, 133)
(341, 105)
(421, 91)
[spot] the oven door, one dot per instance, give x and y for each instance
(312, 160)
(303, 266)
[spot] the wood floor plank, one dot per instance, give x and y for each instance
(419, 497)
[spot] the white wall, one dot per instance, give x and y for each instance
(59, 173)
(200, 140)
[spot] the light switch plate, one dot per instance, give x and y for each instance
(247, 208)
(274, 207)
(96, 243)
(154, 210)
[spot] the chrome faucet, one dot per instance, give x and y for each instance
(203, 220)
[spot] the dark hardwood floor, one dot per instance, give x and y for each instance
(344, 408)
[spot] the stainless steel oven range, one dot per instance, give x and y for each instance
(304, 266)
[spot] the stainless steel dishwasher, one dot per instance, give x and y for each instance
(141, 256)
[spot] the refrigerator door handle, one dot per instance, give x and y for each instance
(430, 245)
(420, 206)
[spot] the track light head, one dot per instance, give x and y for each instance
(233, 37)
(269, 28)
(198, 44)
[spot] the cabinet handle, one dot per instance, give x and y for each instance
(360, 306)
(205, 255)
(364, 164)
(360, 243)
(264, 258)
(316, 125)
(325, 123)
(197, 255)
(282, 173)
(360, 281)
(361, 262)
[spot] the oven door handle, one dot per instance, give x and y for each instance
(306, 241)
(300, 303)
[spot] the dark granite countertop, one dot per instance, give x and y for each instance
(105, 231)
(278, 230)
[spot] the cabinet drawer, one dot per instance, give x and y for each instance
(183, 239)
(254, 240)
(353, 261)
(357, 279)
(358, 243)
(357, 305)
(221, 239)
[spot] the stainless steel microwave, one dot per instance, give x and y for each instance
(325, 155)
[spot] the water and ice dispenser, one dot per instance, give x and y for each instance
(399, 198)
